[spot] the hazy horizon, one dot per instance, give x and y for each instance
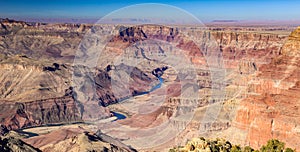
(205, 10)
(214, 22)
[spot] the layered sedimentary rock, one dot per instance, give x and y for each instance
(35, 93)
(274, 111)
(25, 79)
(17, 115)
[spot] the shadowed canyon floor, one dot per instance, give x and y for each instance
(239, 83)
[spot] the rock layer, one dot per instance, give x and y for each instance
(17, 115)
(274, 111)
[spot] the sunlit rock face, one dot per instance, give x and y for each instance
(274, 111)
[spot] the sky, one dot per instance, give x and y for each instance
(206, 10)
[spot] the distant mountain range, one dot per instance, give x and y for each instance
(141, 20)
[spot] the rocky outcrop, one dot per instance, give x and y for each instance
(11, 144)
(77, 140)
(63, 140)
(118, 145)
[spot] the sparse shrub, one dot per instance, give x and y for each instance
(236, 148)
(248, 149)
(273, 145)
(289, 150)
(172, 150)
(221, 145)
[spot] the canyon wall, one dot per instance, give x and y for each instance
(54, 111)
(273, 112)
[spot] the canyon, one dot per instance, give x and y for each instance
(240, 83)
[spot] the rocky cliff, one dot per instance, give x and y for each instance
(17, 115)
(274, 111)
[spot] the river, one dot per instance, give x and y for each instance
(121, 116)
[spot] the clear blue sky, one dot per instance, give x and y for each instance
(203, 9)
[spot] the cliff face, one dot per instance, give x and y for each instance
(274, 111)
(24, 79)
(35, 93)
(17, 115)
(249, 46)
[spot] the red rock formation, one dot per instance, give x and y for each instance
(275, 111)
